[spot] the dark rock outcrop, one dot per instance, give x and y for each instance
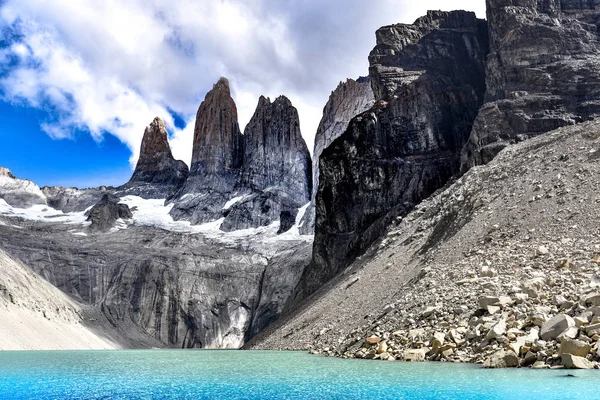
(216, 158)
(348, 100)
(543, 72)
(157, 174)
(428, 79)
(70, 199)
(104, 215)
(275, 177)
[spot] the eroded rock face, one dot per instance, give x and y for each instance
(157, 174)
(275, 177)
(216, 158)
(179, 289)
(428, 79)
(542, 73)
(348, 100)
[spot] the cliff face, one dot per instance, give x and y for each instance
(216, 158)
(275, 177)
(348, 100)
(428, 79)
(161, 287)
(157, 174)
(542, 73)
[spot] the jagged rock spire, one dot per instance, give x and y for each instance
(157, 174)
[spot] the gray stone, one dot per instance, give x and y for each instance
(414, 355)
(556, 326)
(387, 160)
(574, 347)
(502, 359)
(348, 100)
(574, 362)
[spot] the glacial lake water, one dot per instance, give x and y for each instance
(181, 374)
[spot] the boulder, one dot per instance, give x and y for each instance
(574, 362)
(593, 299)
(499, 329)
(556, 326)
(502, 359)
(574, 347)
(372, 340)
(415, 355)
(500, 301)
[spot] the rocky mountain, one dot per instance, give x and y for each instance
(249, 180)
(542, 72)
(216, 158)
(107, 212)
(19, 192)
(275, 177)
(153, 281)
(500, 267)
(429, 80)
(157, 174)
(349, 99)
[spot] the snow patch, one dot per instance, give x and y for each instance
(233, 201)
(43, 213)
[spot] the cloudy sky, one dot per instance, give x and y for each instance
(80, 80)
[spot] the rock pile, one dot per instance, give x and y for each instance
(526, 305)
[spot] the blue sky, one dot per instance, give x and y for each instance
(79, 81)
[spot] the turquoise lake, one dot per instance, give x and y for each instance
(181, 374)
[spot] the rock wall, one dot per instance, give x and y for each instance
(349, 99)
(177, 289)
(542, 73)
(428, 79)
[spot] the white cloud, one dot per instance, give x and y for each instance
(110, 67)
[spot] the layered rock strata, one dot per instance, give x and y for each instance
(348, 100)
(428, 79)
(542, 73)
